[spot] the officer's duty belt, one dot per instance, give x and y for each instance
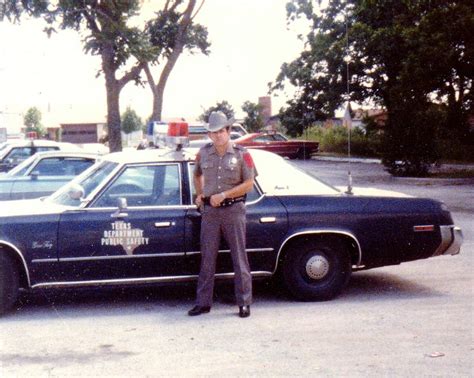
(226, 202)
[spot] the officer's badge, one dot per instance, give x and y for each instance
(233, 161)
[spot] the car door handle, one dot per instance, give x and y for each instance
(267, 220)
(118, 214)
(164, 224)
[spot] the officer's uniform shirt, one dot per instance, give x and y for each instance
(223, 172)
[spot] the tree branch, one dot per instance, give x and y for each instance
(197, 10)
(149, 76)
(133, 74)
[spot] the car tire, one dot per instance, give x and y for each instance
(9, 282)
(303, 154)
(317, 271)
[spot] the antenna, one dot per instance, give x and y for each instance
(347, 114)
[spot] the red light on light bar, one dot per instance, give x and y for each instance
(178, 129)
(32, 135)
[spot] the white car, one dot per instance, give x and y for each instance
(13, 153)
(43, 173)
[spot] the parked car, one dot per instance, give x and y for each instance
(198, 143)
(279, 144)
(131, 219)
(199, 132)
(14, 152)
(43, 174)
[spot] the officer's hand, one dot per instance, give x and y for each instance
(216, 199)
(198, 200)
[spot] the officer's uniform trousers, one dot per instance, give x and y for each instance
(228, 222)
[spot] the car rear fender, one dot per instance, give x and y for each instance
(17, 256)
(347, 237)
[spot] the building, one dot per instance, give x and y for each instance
(82, 132)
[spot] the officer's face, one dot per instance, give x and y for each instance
(221, 137)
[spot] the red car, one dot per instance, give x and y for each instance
(279, 144)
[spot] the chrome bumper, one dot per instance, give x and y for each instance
(451, 240)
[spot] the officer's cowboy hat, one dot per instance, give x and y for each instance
(217, 121)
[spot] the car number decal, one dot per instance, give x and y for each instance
(122, 233)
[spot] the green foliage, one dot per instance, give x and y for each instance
(335, 140)
(32, 121)
(404, 55)
(163, 32)
(410, 140)
(253, 120)
(131, 121)
(222, 106)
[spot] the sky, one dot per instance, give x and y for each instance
(250, 40)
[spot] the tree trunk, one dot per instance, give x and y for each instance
(113, 117)
(113, 95)
(159, 89)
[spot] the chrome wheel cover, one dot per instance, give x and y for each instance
(317, 267)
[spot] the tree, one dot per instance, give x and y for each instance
(32, 121)
(106, 33)
(399, 57)
(254, 120)
(222, 106)
(172, 32)
(131, 121)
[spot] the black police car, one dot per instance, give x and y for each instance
(130, 219)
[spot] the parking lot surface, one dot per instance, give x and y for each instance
(415, 319)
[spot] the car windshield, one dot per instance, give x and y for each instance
(3, 150)
(89, 181)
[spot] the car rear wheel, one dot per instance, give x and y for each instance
(9, 282)
(317, 271)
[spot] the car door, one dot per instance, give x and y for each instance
(267, 224)
(283, 146)
(143, 241)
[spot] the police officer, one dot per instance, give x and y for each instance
(223, 175)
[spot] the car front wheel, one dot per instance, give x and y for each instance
(304, 154)
(9, 282)
(317, 271)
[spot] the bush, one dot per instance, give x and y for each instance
(452, 149)
(335, 140)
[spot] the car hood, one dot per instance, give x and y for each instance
(28, 207)
(373, 192)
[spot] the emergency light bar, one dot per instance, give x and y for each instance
(173, 135)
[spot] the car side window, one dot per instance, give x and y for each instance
(150, 185)
(263, 138)
(61, 166)
(44, 149)
(279, 138)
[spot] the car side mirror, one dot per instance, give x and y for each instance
(76, 192)
(34, 175)
(122, 203)
(122, 207)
